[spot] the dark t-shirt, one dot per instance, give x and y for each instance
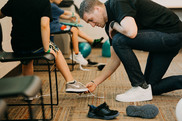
(26, 17)
(147, 14)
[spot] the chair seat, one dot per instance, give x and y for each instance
(61, 32)
(11, 56)
(27, 86)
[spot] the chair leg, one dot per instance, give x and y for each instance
(30, 110)
(42, 103)
(57, 96)
(50, 85)
(72, 64)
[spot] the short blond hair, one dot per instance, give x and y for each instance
(87, 6)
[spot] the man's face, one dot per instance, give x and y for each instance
(95, 18)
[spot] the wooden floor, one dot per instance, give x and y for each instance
(73, 107)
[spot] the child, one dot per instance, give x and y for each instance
(55, 26)
(31, 32)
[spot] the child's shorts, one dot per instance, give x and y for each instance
(40, 50)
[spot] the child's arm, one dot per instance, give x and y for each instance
(45, 32)
(72, 16)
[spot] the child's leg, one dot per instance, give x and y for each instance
(28, 68)
(85, 36)
(74, 31)
(93, 42)
(63, 67)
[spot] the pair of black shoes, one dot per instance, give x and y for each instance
(102, 112)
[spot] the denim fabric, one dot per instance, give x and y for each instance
(162, 48)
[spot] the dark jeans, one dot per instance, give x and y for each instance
(162, 48)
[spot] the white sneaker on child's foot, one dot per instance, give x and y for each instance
(79, 59)
(75, 87)
(136, 94)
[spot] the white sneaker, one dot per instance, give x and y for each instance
(79, 59)
(135, 94)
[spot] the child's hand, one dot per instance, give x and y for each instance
(52, 52)
(73, 19)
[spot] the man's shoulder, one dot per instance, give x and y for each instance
(114, 2)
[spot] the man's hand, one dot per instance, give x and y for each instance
(91, 86)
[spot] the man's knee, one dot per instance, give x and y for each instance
(119, 40)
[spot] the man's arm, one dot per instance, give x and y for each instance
(1, 15)
(110, 68)
(127, 27)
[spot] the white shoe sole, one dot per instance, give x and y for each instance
(76, 90)
(134, 100)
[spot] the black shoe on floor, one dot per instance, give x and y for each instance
(97, 41)
(102, 112)
(91, 63)
(100, 67)
(146, 111)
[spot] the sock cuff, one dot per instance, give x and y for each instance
(71, 82)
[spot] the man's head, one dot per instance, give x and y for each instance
(93, 12)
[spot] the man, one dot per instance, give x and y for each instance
(142, 25)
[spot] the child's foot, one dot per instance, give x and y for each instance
(97, 41)
(79, 59)
(75, 87)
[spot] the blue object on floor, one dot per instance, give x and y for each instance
(106, 52)
(85, 49)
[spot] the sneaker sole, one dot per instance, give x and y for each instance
(92, 115)
(146, 111)
(75, 91)
(138, 100)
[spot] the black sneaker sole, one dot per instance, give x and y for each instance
(92, 115)
(147, 111)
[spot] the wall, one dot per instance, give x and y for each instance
(6, 26)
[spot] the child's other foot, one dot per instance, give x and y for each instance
(79, 59)
(97, 41)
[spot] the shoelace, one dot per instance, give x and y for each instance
(91, 94)
(83, 69)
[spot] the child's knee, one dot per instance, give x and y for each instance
(74, 30)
